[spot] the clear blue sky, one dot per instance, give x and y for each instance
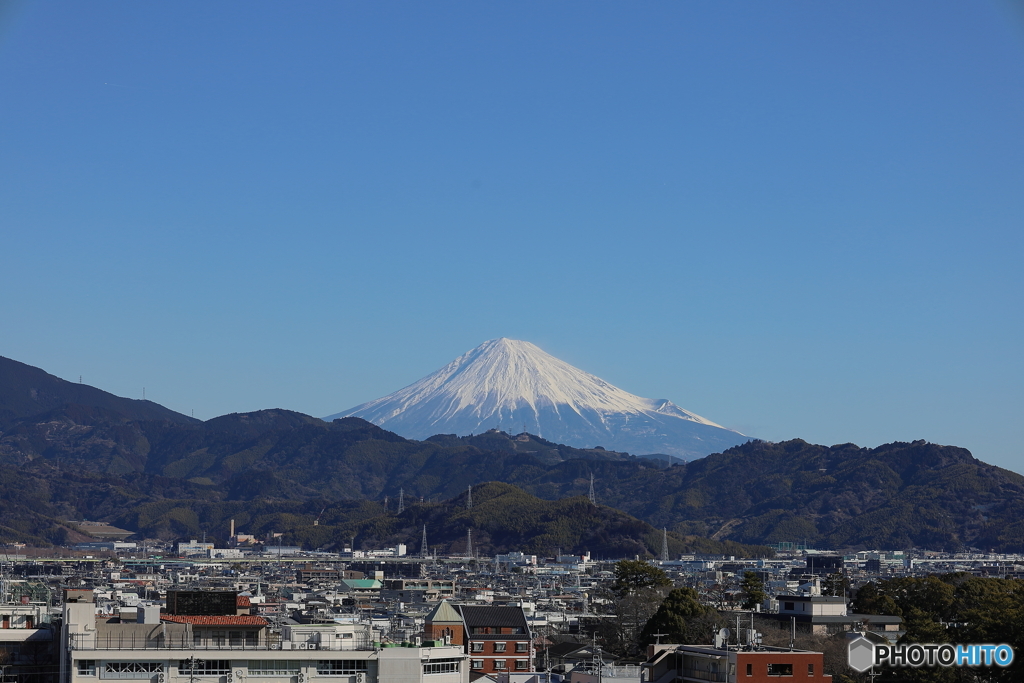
(796, 219)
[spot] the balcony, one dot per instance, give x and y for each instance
(135, 641)
(700, 674)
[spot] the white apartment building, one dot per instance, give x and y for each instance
(160, 648)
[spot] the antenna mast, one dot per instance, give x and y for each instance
(664, 544)
(401, 501)
(591, 496)
(423, 544)
(469, 498)
(469, 543)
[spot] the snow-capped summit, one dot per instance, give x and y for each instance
(507, 383)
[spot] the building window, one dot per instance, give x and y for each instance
(273, 667)
(750, 669)
(499, 647)
(522, 665)
(477, 664)
(788, 606)
(499, 664)
(340, 667)
(522, 647)
(478, 647)
(86, 667)
(780, 669)
(810, 670)
(204, 667)
(441, 666)
(132, 669)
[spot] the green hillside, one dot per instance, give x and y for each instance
(178, 477)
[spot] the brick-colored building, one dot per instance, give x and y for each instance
(496, 638)
(674, 663)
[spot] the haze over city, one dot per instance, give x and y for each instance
(798, 220)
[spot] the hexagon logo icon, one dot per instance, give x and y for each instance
(860, 654)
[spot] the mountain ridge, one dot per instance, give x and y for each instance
(91, 462)
(28, 390)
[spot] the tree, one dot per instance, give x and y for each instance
(753, 590)
(870, 600)
(639, 588)
(632, 576)
(835, 584)
(674, 618)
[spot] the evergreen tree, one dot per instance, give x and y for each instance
(674, 617)
(632, 576)
(753, 590)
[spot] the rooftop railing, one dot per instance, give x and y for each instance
(132, 641)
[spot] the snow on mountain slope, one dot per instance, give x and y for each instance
(510, 384)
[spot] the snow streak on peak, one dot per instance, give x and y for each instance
(507, 380)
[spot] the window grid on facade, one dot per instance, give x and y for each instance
(340, 667)
(499, 663)
(441, 666)
(87, 667)
(522, 647)
(522, 665)
(273, 667)
(810, 670)
(204, 667)
(132, 669)
(499, 647)
(478, 664)
(478, 647)
(780, 669)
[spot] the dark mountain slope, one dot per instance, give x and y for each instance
(26, 390)
(894, 496)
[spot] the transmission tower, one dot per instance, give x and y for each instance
(664, 544)
(469, 498)
(401, 501)
(591, 496)
(469, 543)
(424, 552)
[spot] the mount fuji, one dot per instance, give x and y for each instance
(506, 383)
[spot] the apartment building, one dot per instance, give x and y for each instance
(230, 648)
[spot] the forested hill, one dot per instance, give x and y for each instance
(898, 495)
(78, 461)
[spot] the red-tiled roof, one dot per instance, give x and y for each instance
(243, 601)
(244, 620)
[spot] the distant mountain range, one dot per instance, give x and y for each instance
(166, 475)
(506, 383)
